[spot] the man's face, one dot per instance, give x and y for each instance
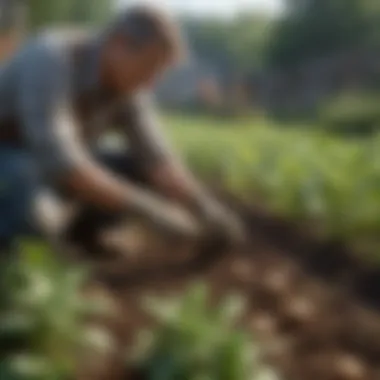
(127, 68)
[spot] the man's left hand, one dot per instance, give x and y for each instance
(222, 223)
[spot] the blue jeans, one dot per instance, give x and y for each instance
(19, 182)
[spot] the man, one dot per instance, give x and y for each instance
(60, 94)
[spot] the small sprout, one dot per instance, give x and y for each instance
(196, 342)
(99, 305)
(15, 322)
(266, 374)
(163, 310)
(30, 367)
(40, 288)
(144, 344)
(98, 339)
(233, 308)
(44, 312)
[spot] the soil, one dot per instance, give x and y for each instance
(314, 307)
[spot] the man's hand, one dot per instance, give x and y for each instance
(166, 217)
(221, 223)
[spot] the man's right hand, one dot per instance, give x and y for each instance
(167, 217)
(102, 189)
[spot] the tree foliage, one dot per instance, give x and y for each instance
(317, 28)
(308, 29)
(46, 12)
(238, 44)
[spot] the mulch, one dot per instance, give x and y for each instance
(313, 306)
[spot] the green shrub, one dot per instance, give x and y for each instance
(196, 342)
(42, 316)
(302, 172)
(357, 113)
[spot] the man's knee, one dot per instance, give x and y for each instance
(18, 183)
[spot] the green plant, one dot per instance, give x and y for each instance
(196, 342)
(42, 317)
(356, 113)
(303, 172)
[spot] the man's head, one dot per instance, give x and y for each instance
(139, 46)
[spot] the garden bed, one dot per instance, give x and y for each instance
(313, 309)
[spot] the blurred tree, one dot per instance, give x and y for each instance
(12, 15)
(208, 39)
(315, 28)
(12, 24)
(45, 12)
(237, 44)
(248, 41)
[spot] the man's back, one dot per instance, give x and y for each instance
(47, 54)
(64, 58)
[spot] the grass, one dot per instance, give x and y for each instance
(299, 172)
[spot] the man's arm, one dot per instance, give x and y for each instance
(165, 170)
(161, 164)
(49, 128)
(51, 132)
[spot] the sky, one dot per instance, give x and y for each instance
(224, 8)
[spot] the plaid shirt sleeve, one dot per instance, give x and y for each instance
(44, 105)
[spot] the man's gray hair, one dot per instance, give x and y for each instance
(145, 24)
